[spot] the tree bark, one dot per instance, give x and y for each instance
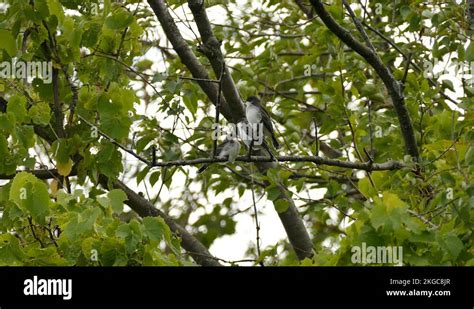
(292, 221)
(392, 85)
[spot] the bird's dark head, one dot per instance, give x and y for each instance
(253, 100)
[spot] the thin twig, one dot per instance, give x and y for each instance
(34, 233)
(359, 26)
(147, 162)
(391, 43)
(257, 224)
(218, 107)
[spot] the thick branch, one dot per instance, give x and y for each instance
(366, 166)
(292, 222)
(297, 234)
(40, 174)
(186, 54)
(392, 85)
(307, 10)
(410, 61)
(145, 209)
(57, 108)
(212, 49)
(140, 205)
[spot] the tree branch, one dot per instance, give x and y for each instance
(231, 104)
(365, 166)
(292, 222)
(211, 48)
(307, 10)
(404, 55)
(186, 55)
(144, 208)
(392, 85)
(40, 174)
(141, 206)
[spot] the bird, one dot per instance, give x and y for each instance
(244, 132)
(229, 149)
(256, 114)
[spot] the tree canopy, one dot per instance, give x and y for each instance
(107, 104)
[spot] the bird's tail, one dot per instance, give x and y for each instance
(272, 156)
(275, 142)
(203, 168)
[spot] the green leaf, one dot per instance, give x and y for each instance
(368, 90)
(119, 20)
(405, 11)
(91, 35)
(154, 177)
(389, 212)
(123, 231)
(109, 160)
(56, 9)
(191, 103)
(30, 194)
(17, 107)
(469, 53)
(281, 205)
(378, 215)
(72, 32)
(154, 228)
(453, 245)
(392, 200)
(468, 157)
(117, 197)
(40, 114)
(8, 42)
(24, 136)
(10, 251)
(144, 141)
(273, 192)
(7, 122)
(448, 84)
(142, 174)
(62, 149)
(64, 169)
(366, 187)
(42, 7)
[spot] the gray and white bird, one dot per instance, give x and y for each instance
(229, 149)
(257, 115)
(244, 132)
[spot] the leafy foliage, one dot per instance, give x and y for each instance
(118, 82)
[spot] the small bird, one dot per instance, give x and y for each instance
(229, 149)
(256, 114)
(244, 132)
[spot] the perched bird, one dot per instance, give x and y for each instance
(256, 114)
(229, 149)
(244, 132)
